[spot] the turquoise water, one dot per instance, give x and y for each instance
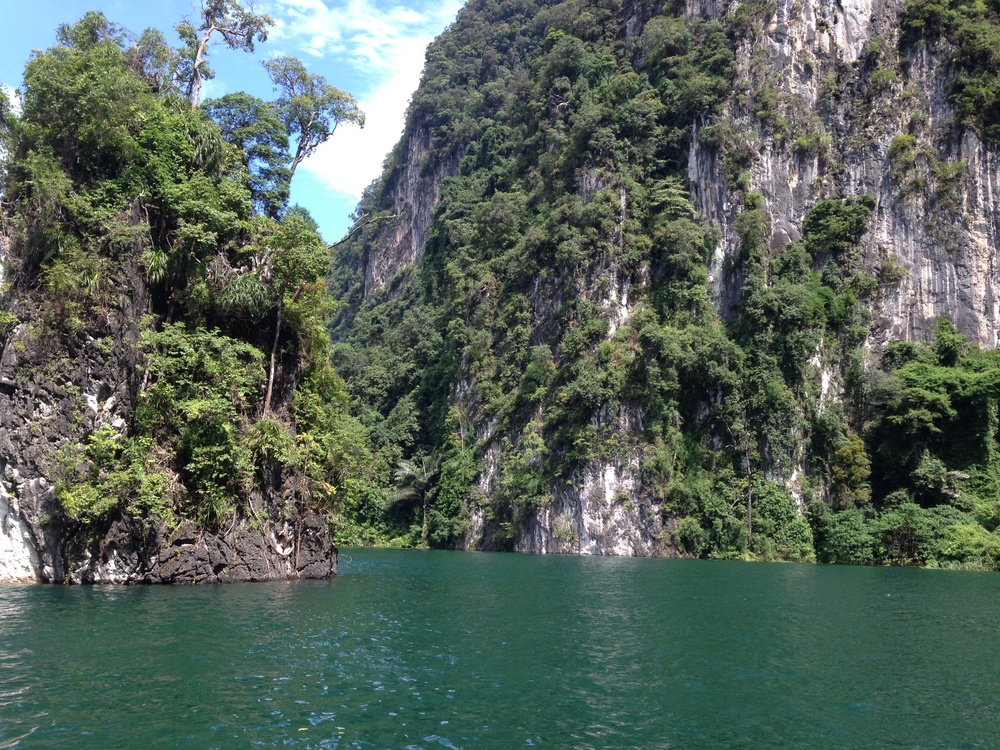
(415, 649)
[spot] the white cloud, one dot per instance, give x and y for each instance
(358, 30)
(385, 47)
(349, 161)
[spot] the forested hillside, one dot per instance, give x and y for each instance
(703, 279)
(711, 280)
(167, 406)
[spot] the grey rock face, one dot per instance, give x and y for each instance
(415, 194)
(132, 551)
(607, 515)
(944, 234)
(53, 394)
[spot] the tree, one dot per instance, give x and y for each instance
(150, 58)
(89, 31)
(310, 108)
(238, 27)
(6, 120)
(106, 171)
(295, 259)
(742, 442)
(80, 102)
(850, 473)
(253, 127)
(415, 478)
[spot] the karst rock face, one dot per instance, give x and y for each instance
(825, 61)
(942, 230)
(54, 395)
(822, 102)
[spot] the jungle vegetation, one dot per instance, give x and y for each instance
(571, 139)
(496, 351)
(156, 228)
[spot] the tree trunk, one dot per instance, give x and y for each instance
(749, 501)
(199, 61)
(274, 357)
(303, 145)
(423, 532)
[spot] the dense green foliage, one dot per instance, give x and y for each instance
(252, 127)
(970, 29)
(499, 360)
(122, 201)
(559, 321)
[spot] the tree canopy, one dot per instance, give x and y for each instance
(253, 127)
(310, 108)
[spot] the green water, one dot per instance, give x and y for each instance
(413, 649)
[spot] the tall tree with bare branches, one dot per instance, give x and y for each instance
(239, 28)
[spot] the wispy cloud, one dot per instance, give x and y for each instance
(358, 31)
(385, 47)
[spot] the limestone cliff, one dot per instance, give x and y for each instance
(53, 395)
(837, 71)
(637, 264)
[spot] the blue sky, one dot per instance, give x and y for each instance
(373, 49)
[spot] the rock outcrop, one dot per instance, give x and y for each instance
(53, 394)
(134, 551)
(162, 321)
(543, 229)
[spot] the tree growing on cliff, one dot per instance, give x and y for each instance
(238, 27)
(6, 122)
(253, 127)
(293, 264)
(310, 108)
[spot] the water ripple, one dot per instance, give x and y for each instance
(431, 650)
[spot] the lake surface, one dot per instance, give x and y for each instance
(417, 649)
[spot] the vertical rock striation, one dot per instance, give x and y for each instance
(825, 103)
(840, 62)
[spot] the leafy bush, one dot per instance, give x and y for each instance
(202, 388)
(109, 472)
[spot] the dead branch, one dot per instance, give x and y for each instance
(359, 226)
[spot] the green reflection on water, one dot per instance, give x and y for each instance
(437, 649)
